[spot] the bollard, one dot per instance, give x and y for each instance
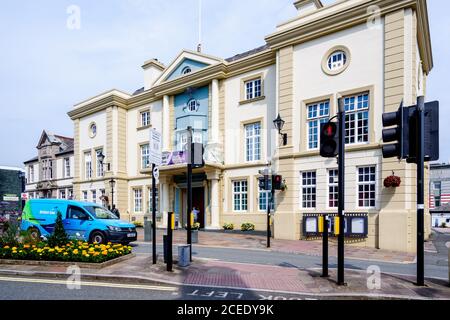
(448, 246)
(169, 240)
(148, 230)
(184, 256)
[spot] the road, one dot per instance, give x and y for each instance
(22, 288)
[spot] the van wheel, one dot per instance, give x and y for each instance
(34, 233)
(98, 237)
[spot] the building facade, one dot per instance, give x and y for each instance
(440, 195)
(50, 174)
(373, 54)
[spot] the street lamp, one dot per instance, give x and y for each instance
(112, 183)
(279, 124)
(101, 158)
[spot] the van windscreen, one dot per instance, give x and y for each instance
(101, 213)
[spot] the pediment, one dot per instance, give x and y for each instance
(195, 61)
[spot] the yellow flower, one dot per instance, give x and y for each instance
(6, 247)
(51, 250)
(87, 256)
(91, 249)
(75, 251)
(26, 246)
(105, 253)
(14, 252)
(110, 250)
(65, 254)
(14, 248)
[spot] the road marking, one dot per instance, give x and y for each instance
(91, 284)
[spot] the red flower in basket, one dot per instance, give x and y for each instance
(392, 182)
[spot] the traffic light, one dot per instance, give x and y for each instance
(329, 140)
(404, 133)
(399, 133)
(196, 159)
(277, 182)
(264, 183)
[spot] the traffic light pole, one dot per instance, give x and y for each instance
(269, 204)
(325, 247)
(420, 190)
(153, 214)
(341, 188)
(189, 192)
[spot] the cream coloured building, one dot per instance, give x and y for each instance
(372, 53)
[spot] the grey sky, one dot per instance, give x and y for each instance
(45, 68)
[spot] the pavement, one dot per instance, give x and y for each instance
(242, 263)
(204, 273)
(253, 241)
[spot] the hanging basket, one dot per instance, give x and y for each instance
(392, 182)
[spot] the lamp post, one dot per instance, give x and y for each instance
(279, 124)
(112, 183)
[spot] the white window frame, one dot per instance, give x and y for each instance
(145, 156)
(334, 184)
(253, 143)
(186, 70)
(310, 186)
(374, 183)
(85, 196)
(253, 88)
(88, 165)
(31, 174)
(337, 64)
(355, 107)
(62, 194)
(70, 194)
(137, 200)
(243, 195)
(100, 169)
(318, 118)
(67, 169)
(145, 118)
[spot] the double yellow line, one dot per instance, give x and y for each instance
(90, 284)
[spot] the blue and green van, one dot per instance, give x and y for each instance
(82, 221)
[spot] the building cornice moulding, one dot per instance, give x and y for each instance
(346, 18)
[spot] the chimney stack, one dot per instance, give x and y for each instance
(152, 70)
(307, 6)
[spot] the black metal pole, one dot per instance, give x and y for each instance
(325, 247)
(341, 187)
(153, 215)
(169, 241)
(420, 191)
(189, 191)
(269, 203)
(112, 198)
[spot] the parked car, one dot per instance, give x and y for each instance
(82, 221)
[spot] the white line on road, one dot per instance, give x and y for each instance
(91, 284)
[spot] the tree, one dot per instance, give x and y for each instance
(59, 236)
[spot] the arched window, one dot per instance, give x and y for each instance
(192, 105)
(186, 70)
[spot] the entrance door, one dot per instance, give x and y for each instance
(198, 201)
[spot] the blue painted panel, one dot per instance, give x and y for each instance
(197, 119)
(194, 65)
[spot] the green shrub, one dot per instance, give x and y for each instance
(10, 234)
(59, 236)
(247, 227)
(228, 226)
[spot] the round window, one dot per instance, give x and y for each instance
(336, 60)
(92, 130)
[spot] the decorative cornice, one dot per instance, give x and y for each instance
(346, 18)
(99, 105)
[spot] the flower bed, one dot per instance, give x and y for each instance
(76, 251)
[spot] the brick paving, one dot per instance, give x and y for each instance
(312, 248)
(257, 277)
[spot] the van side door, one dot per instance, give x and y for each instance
(77, 223)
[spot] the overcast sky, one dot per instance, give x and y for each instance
(46, 68)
